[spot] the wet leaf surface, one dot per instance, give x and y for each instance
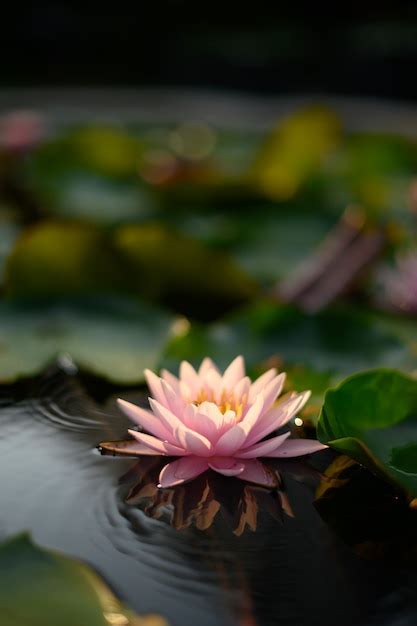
(115, 338)
(372, 417)
(290, 569)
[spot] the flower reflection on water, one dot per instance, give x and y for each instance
(199, 502)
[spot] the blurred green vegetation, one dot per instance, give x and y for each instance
(44, 588)
(178, 236)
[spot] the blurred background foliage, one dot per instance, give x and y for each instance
(133, 245)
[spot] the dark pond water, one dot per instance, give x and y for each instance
(217, 552)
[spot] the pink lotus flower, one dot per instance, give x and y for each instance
(216, 421)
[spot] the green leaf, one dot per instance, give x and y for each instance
(182, 272)
(81, 195)
(333, 344)
(114, 338)
(372, 417)
(91, 174)
(295, 150)
(269, 248)
(43, 588)
(339, 341)
(106, 149)
(56, 259)
(375, 171)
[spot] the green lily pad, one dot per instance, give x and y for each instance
(56, 259)
(295, 150)
(335, 343)
(341, 340)
(81, 195)
(89, 174)
(374, 171)
(114, 338)
(106, 149)
(44, 588)
(182, 272)
(372, 417)
(78, 194)
(270, 248)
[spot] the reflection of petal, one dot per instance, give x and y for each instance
(184, 469)
(194, 502)
(145, 474)
(248, 511)
(298, 447)
(285, 503)
(257, 472)
(199, 501)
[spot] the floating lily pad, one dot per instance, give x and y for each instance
(182, 272)
(81, 195)
(114, 338)
(89, 174)
(372, 170)
(372, 417)
(295, 150)
(106, 149)
(335, 343)
(62, 259)
(43, 588)
(270, 248)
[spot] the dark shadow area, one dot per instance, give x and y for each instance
(270, 47)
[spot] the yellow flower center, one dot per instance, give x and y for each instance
(228, 402)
